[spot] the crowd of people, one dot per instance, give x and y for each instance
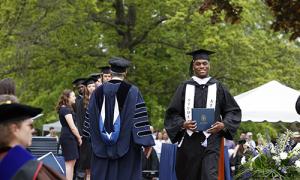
(105, 126)
(245, 148)
(71, 109)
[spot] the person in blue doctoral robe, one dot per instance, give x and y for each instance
(118, 127)
(199, 153)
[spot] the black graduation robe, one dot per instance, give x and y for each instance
(298, 105)
(79, 113)
(149, 165)
(118, 157)
(194, 161)
(85, 150)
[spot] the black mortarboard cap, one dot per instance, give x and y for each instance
(89, 80)
(105, 69)
(17, 112)
(119, 64)
(78, 81)
(95, 75)
(200, 54)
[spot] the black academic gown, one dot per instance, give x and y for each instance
(194, 161)
(150, 164)
(79, 112)
(85, 150)
(298, 105)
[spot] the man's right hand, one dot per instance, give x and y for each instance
(190, 125)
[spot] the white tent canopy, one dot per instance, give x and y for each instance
(56, 125)
(270, 102)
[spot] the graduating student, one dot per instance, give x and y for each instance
(98, 78)
(118, 126)
(105, 73)
(78, 84)
(298, 105)
(84, 162)
(79, 112)
(198, 153)
(16, 125)
(89, 87)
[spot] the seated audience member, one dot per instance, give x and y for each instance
(158, 143)
(239, 156)
(16, 124)
(8, 91)
(242, 136)
(250, 140)
(260, 142)
(166, 138)
(52, 133)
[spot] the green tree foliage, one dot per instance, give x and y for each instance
(286, 13)
(45, 44)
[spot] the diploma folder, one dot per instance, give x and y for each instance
(204, 117)
(50, 160)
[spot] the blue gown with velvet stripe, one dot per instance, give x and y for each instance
(13, 161)
(117, 138)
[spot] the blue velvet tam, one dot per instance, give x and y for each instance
(118, 64)
(104, 69)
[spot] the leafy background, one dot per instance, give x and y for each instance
(46, 44)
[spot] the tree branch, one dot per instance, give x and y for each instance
(144, 35)
(166, 44)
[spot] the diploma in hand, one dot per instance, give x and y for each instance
(204, 118)
(50, 160)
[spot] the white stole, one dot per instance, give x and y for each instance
(189, 102)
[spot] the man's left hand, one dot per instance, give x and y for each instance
(215, 128)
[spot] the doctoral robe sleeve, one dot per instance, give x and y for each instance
(298, 105)
(230, 112)
(141, 126)
(174, 117)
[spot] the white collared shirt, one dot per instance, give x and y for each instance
(201, 81)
